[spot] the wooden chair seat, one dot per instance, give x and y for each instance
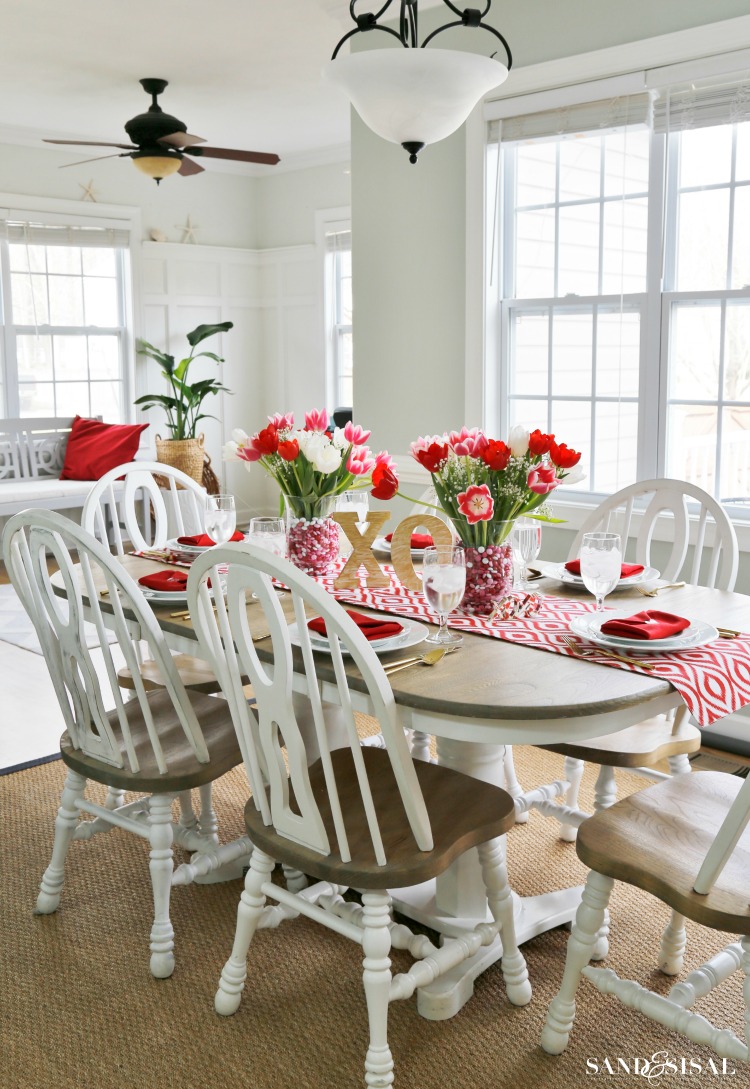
(185, 770)
(657, 839)
(646, 743)
(194, 674)
(477, 812)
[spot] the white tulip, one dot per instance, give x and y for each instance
(229, 451)
(240, 437)
(574, 475)
(518, 441)
(339, 439)
(327, 460)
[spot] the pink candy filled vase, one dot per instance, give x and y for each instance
(312, 536)
(489, 573)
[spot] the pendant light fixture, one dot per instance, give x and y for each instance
(411, 95)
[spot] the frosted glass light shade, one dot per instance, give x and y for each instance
(157, 166)
(415, 95)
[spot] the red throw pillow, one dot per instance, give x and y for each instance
(95, 447)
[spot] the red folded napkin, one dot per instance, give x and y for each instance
(650, 624)
(167, 581)
(418, 540)
(370, 626)
(627, 569)
(202, 540)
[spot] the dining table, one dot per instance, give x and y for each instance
(489, 694)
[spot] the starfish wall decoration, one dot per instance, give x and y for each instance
(188, 230)
(88, 191)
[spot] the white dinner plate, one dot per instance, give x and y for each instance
(381, 545)
(191, 550)
(557, 571)
(167, 597)
(697, 635)
(412, 634)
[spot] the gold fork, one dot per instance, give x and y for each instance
(583, 651)
(656, 589)
(431, 658)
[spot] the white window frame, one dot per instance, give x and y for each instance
(690, 54)
(329, 221)
(58, 212)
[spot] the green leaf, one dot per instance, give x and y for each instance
(181, 367)
(202, 332)
(151, 400)
(209, 355)
(166, 362)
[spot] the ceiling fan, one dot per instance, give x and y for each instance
(161, 142)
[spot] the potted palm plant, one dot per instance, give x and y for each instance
(183, 401)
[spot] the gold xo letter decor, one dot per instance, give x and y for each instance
(362, 555)
(401, 545)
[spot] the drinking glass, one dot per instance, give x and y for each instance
(526, 539)
(268, 533)
(601, 562)
(221, 518)
(443, 585)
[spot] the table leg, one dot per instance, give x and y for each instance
(457, 901)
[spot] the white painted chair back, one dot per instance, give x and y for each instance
(273, 725)
(149, 512)
(86, 695)
(704, 552)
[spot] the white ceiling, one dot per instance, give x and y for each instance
(242, 73)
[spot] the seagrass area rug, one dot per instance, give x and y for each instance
(80, 1010)
(16, 626)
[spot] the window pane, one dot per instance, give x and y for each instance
(34, 358)
(345, 317)
(536, 169)
(100, 302)
(624, 248)
(70, 358)
(741, 249)
(29, 299)
(735, 454)
(72, 398)
(618, 350)
(98, 262)
(106, 401)
(27, 258)
(579, 250)
(737, 352)
(580, 168)
(705, 155)
(691, 444)
(104, 357)
(696, 345)
(36, 398)
(65, 300)
(626, 162)
(572, 339)
(529, 414)
(703, 224)
(571, 424)
(530, 353)
(615, 463)
(64, 259)
(535, 254)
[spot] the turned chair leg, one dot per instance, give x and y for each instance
(500, 900)
(512, 784)
(65, 826)
(249, 910)
(679, 764)
(161, 866)
(672, 946)
(589, 919)
(376, 976)
(572, 773)
(188, 820)
(209, 825)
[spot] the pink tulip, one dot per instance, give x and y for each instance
(355, 434)
(360, 461)
(282, 423)
(248, 453)
(542, 479)
(476, 504)
(317, 420)
(384, 460)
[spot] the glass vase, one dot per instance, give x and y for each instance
(312, 536)
(489, 572)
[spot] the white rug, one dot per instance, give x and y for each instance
(16, 627)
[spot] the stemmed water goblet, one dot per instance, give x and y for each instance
(221, 518)
(601, 564)
(270, 534)
(443, 585)
(526, 540)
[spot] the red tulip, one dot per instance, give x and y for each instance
(433, 458)
(289, 450)
(266, 441)
(496, 455)
(385, 482)
(564, 457)
(542, 479)
(540, 443)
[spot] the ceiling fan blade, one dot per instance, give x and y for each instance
(96, 159)
(189, 167)
(92, 143)
(181, 139)
(240, 156)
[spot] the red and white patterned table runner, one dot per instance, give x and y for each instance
(713, 680)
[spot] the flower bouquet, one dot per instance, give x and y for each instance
(484, 485)
(312, 467)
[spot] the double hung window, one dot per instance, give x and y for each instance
(62, 291)
(338, 242)
(623, 283)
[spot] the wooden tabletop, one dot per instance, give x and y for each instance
(494, 679)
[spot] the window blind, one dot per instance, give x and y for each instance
(338, 241)
(609, 113)
(692, 106)
(42, 234)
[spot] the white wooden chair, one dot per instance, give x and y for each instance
(705, 553)
(360, 817)
(162, 743)
(684, 841)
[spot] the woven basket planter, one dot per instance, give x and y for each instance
(185, 454)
